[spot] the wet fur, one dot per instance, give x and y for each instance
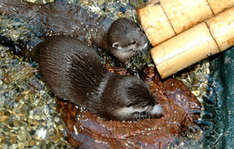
(62, 18)
(73, 71)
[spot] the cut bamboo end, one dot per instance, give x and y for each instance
(184, 14)
(220, 5)
(222, 28)
(184, 50)
(155, 23)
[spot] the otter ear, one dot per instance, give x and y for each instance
(115, 45)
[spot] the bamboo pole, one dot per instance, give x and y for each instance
(156, 23)
(218, 6)
(184, 50)
(184, 14)
(163, 19)
(222, 28)
(174, 51)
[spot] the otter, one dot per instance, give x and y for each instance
(74, 72)
(123, 38)
(78, 76)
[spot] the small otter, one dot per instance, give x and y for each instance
(123, 38)
(73, 71)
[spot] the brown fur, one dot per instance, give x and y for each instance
(123, 38)
(73, 71)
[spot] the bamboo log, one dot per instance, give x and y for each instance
(218, 6)
(222, 28)
(207, 38)
(155, 23)
(164, 20)
(184, 14)
(184, 50)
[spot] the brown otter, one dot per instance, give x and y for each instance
(73, 71)
(123, 37)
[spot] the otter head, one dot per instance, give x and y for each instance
(125, 38)
(132, 100)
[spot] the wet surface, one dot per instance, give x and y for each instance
(28, 117)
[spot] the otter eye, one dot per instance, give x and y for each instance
(115, 45)
(129, 105)
(133, 42)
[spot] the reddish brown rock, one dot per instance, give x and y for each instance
(89, 131)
